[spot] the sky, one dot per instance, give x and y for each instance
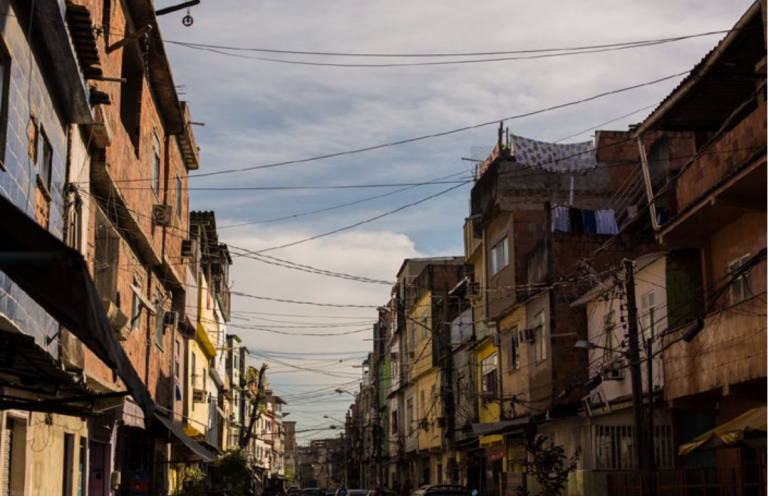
(258, 112)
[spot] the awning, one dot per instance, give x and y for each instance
(749, 429)
(196, 448)
(491, 428)
(57, 278)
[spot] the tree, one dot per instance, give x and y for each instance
(233, 472)
(547, 464)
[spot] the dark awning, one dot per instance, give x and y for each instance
(57, 278)
(196, 448)
(491, 428)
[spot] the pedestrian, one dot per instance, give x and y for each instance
(407, 487)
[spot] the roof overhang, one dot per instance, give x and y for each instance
(143, 14)
(718, 84)
(41, 265)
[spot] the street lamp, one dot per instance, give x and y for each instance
(333, 418)
(342, 391)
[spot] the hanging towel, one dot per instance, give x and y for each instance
(590, 222)
(577, 221)
(561, 219)
(606, 222)
(554, 157)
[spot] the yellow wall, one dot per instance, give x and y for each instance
(431, 410)
(46, 441)
(198, 412)
(515, 382)
(488, 410)
(208, 327)
(422, 348)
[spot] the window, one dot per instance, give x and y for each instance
(649, 315)
(177, 363)
(614, 447)
(741, 286)
(514, 349)
(136, 306)
(156, 165)
(131, 93)
(194, 371)
(106, 258)
(610, 340)
(540, 337)
(424, 326)
(178, 195)
(499, 255)
(81, 468)
(423, 412)
(394, 422)
(67, 483)
(75, 222)
(488, 372)
(45, 161)
(413, 334)
(159, 318)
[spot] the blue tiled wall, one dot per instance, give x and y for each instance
(30, 89)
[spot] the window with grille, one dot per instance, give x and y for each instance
(610, 340)
(178, 195)
(156, 165)
(424, 324)
(159, 318)
(741, 286)
(514, 349)
(136, 306)
(615, 447)
(649, 315)
(489, 373)
(499, 255)
(540, 337)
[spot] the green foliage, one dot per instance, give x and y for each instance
(547, 464)
(233, 472)
(192, 482)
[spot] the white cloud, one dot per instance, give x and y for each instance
(259, 112)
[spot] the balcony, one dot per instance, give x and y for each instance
(730, 349)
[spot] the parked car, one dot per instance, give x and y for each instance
(444, 490)
(330, 492)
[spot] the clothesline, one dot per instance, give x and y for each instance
(583, 221)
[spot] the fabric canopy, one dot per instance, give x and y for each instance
(748, 429)
(196, 448)
(490, 428)
(57, 278)
(554, 157)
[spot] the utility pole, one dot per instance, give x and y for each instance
(639, 438)
(248, 433)
(651, 442)
(446, 389)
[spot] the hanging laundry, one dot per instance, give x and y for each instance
(590, 221)
(561, 219)
(554, 157)
(577, 220)
(606, 222)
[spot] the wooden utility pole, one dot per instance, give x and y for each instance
(639, 437)
(246, 435)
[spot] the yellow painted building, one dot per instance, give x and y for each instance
(199, 353)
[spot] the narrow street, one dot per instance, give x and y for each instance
(401, 249)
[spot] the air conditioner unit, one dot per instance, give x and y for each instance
(496, 339)
(198, 396)
(614, 372)
(188, 248)
(423, 424)
(171, 319)
(393, 356)
(412, 354)
(163, 214)
(527, 335)
(441, 422)
(473, 290)
(118, 319)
